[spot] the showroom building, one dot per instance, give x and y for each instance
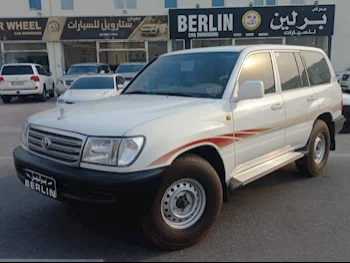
(59, 33)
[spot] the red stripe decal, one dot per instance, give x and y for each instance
(220, 142)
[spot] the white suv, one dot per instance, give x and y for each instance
(23, 80)
(192, 127)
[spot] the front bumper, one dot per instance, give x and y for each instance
(89, 186)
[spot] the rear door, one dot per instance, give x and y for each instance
(299, 98)
(17, 78)
(43, 77)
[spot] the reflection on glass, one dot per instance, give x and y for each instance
(79, 70)
(199, 43)
(202, 75)
(88, 83)
(79, 52)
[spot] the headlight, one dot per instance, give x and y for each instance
(101, 151)
(112, 152)
(129, 150)
(24, 133)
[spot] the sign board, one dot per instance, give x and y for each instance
(87, 28)
(276, 21)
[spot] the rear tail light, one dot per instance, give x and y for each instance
(35, 78)
(2, 79)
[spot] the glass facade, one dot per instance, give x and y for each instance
(79, 52)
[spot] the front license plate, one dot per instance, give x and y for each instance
(41, 183)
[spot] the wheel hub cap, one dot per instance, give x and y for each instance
(183, 203)
(319, 148)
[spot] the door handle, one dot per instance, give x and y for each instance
(277, 106)
(311, 98)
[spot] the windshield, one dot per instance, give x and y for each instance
(93, 83)
(17, 70)
(203, 75)
(78, 70)
(129, 68)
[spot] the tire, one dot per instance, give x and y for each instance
(43, 97)
(6, 99)
(52, 92)
(314, 163)
(195, 173)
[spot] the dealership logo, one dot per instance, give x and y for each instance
(54, 27)
(251, 20)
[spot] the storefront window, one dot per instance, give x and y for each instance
(79, 52)
(157, 48)
(198, 43)
(310, 41)
(122, 45)
(27, 53)
(258, 41)
(177, 45)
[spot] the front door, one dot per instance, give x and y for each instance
(258, 124)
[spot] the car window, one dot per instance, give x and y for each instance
(41, 71)
(288, 71)
(203, 75)
(120, 80)
(106, 69)
(79, 70)
(17, 70)
(129, 68)
(258, 67)
(302, 70)
(89, 83)
(317, 68)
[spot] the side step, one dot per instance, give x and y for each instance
(263, 169)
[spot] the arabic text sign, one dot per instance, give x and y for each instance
(252, 22)
(100, 28)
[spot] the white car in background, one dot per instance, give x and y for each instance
(346, 110)
(129, 70)
(92, 87)
(24, 80)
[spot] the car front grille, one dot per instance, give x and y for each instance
(56, 145)
(346, 77)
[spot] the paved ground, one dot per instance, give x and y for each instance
(282, 217)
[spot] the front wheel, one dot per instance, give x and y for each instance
(43, 96)
(187, 204)
(314, 162)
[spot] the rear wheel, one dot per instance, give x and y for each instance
(52, 92)
(314, 162)
(43, 96)
(187, 205)
(6, 99)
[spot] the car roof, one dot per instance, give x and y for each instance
(22, 64)
(248, 48)
(94, 75)
(89, 64)
(133, 63)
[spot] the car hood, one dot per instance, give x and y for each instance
(346, 99)
(87, 95)
(116, 115)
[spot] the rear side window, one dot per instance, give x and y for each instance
(258, 67)
(317, 68)
(302, 70)
(288, 71)
(17, 70)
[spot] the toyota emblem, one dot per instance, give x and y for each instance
(45, 143)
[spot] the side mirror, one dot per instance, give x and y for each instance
(120, 86)
(102, 72)
(126, 83)
(251, 90)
